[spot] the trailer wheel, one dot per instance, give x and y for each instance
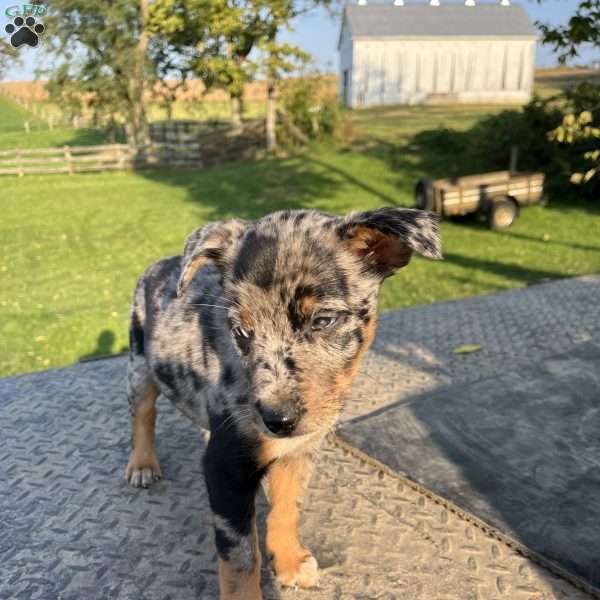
(502, 213)
(424, 196)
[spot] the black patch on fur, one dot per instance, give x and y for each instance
(136, 335)
(166, 375)
(228, 376)
(291, 365)
(299, 216)
(180, 372)
(358, 335)
(232, 477)
(208, 329)
(332, 281)
(155, 281)
(363, 315)
(256, 259)
(197, 381)
(346, 340)
(396, 222)
(223, 543)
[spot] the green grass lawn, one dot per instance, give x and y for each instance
(71, 247)
(13, 117)
(13, 134)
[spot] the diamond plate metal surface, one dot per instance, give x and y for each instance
(412, 352)
(71, 528)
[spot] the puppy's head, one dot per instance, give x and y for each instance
(302, 290)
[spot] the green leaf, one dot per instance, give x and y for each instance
(577, 178)
(467, 349)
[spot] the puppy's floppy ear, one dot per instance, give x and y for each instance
(386, 238)
(212, 242)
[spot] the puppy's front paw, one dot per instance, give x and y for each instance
(304, 574)
(142, 471)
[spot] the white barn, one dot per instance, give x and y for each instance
(396, 54)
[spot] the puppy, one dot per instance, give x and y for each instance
(256, 333)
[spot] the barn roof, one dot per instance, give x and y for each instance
(449, 20)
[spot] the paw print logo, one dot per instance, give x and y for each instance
(25, 31)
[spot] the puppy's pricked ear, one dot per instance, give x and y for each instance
(386, 238)
(212, 242)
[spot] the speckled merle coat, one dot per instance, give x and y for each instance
(256, 333)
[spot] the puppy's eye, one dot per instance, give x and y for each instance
(321, 322)
(241, 333)
(243, 338)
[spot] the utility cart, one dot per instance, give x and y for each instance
(498, 195)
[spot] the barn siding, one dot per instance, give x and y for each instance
(346, 51)
(416, 71)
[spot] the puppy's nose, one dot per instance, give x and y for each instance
(280, 420)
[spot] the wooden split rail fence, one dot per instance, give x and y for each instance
(205, 150)
(68, 159)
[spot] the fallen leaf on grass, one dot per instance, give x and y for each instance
(467, 349)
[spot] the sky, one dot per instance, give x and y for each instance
(317, 33)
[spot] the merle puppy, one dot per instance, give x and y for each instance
(256, 333)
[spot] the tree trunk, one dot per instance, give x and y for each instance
(271, 117)
(138, 125)
(237, 108)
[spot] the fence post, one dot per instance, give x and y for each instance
(121, 156)
(69, 159)
(20, 163)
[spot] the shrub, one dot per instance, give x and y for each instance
(311, 104)
(583, 97)
(492, 139)
(487, 147)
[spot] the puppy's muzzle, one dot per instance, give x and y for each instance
(280, 420)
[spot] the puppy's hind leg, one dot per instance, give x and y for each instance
(143, 468)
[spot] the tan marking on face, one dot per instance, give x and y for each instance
(346, 377)
(245, 317)
(307, 305)
(287, 480)
(239, 585)
(267, 452)
(143, 424)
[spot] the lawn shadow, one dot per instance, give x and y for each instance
(385, 198)
(104, 347)
(509, 271)
(93, 137)
(251, 189)
(547, 242)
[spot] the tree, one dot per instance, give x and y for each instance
(578, 128)
(228, 42)
(583, 28)
(108, 61)
(9, 58)
(279, 60)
